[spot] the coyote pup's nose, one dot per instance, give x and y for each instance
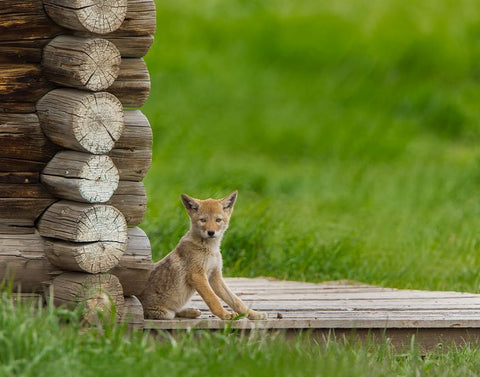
(211, 233)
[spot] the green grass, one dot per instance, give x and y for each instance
(51, 342)
(351, 129)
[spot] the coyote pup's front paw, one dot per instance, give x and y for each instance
(227, 315)
(252, 314)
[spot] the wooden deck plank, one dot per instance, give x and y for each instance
(294, 306)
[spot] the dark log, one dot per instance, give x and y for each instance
(83, 63)
(25, 19)
(131, 200)
(17, 107)
(95, 293)
(16, 226)
(132, 313)
(23, 262)
(78, 222)
(23, 146)
(97, 16)
(132, 85)
(22, 83)
(136, 263)
(81, 177)
(22, 51)
(81, 120)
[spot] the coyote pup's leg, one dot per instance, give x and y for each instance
(157, 312)
(189, 313)
(199, 281)
(232, 300)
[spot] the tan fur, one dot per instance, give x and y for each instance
(195, 265)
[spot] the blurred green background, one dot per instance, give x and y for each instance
(350, 129)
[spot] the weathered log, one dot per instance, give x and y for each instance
(96, 16)
(16, 226)
(17, 107)
(137, 133)
(84, 63)
(22, 83)
(132, 153)
(78, 222)
(132, 313)
(80, 120)
(140, 19)
(136, 264)
(23, 262)
(81, 177)
(91, 257)
(23, 146)
(96, 293)
(132, 165)
(132, 85)
(22, 51)
(21, 203)
(27, 19)
(131, 200)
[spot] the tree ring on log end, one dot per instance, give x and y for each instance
(97, 293)
(83, 121)
(84, 63)
(81, 177)
(79, 222)
(90, 257)
(95, 16)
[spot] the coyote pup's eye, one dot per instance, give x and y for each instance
(218, 219)
(203, 220)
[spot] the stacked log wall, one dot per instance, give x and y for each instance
(72, 158)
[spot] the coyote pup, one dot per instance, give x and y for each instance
(195, 265)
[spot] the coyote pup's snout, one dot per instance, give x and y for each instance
(195, 265)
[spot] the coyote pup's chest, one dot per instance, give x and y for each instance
(213, 262)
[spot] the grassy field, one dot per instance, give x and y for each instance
(351, 132)
(350, 129)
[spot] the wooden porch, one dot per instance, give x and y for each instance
(346, 309)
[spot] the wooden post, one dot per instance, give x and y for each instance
(96, 292)
(83, 121)
(78, 222)
(84, 63)
(136, 264)
(81, 177)
(95, 16)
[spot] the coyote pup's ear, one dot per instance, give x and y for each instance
(229, 201)
(190, 204)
